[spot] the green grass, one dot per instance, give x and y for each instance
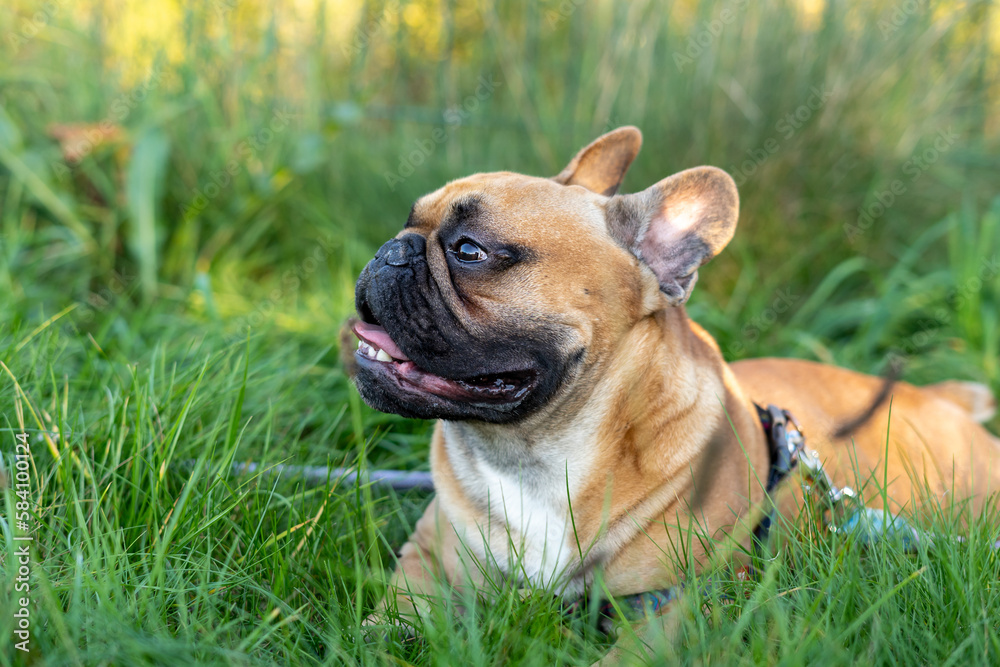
(143, 328)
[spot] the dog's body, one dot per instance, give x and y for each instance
(586, 422)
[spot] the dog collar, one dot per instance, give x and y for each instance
(785, 444)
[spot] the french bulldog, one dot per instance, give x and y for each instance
(585, 422)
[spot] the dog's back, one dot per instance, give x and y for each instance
(934, 442)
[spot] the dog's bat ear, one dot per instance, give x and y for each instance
(677, 225)
(601, 165)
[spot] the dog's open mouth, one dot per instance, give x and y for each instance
(377, 351)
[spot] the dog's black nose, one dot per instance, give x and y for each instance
(398, 252)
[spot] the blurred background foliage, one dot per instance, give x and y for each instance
(188, 191)
(236, 162)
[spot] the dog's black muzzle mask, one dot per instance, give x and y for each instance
(450, 367)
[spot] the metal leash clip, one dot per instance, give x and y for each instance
(827, 502)
(833, 499)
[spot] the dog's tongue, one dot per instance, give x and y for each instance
(376, 336)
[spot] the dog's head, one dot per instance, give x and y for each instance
(503, 289)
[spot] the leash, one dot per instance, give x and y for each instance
(786, 444)
(400, 480)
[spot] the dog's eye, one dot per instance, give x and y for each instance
(467, 251)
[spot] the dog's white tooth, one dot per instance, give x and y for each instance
(382, 356)
(361, 344)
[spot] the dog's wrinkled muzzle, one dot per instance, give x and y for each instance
(421, 355)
